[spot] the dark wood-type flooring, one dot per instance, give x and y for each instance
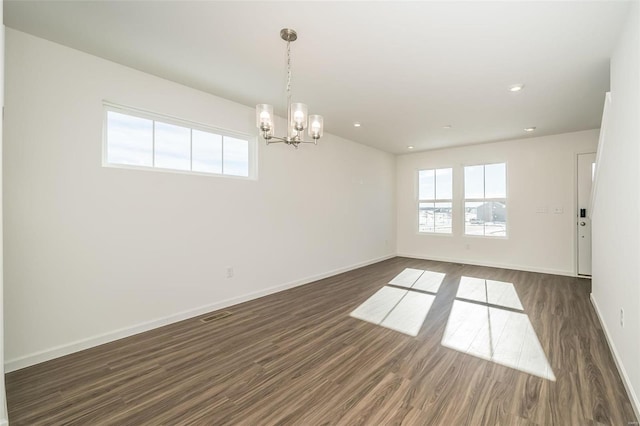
(297, 357)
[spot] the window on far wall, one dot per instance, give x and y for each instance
(485, 200)
(435, 194)
(140, 139)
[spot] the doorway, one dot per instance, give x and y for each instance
(586, 172)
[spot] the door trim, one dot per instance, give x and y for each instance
(575, 211)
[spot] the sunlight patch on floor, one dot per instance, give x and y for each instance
(488, 291)
(407, 277)
(429, 281)
(485, 329)
(397, 309)
(402, 309)
(419, 279)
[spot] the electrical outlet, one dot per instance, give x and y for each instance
(229, 271)
(621, 317)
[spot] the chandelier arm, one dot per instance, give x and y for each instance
(275, 139)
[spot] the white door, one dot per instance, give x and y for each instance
(586, 169)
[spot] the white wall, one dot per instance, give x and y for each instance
(616, 213)
(540, 174)
(96, 253)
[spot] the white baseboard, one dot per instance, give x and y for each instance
(635, 402)
(491, 264)
(79, 345)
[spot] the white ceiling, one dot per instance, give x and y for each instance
(403, 69)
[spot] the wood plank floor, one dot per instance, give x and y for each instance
(297, 357)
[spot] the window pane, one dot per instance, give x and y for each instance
(473, 223)
(207, 152)
(495, 181)
(172, 147)
(444, 184)
(426, 216)
(486, 218)
(236, 157)
(474, 182)
(129, 140)
(442, 218)
(426, 185)
(145, 142)
(496, 215)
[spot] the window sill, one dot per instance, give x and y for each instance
(435, 234)
(490, 237)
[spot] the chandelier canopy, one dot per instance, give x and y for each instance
(297, 118)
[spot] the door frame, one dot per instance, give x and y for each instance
(575, 217)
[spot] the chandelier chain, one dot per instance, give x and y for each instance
(288, 71)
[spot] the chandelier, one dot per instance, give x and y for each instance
(297, 118)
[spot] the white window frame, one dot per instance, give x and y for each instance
(435, 200)
(163, 118)
(485, 200)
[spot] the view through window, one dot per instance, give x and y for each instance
(142, 140)
(485, 200)
(435, 195)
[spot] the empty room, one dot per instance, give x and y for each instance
(318, 213)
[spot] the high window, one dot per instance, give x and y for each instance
(435, 194)
(485, 200)
(144, 140)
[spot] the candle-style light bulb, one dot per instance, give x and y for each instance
(298, 116)
(264, 120)
(316, 126)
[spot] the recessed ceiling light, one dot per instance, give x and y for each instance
(516, 87)
(448, 126)
(529, 129)
(357, 124)
(410, 147)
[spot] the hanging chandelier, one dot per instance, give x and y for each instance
(297, 118)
